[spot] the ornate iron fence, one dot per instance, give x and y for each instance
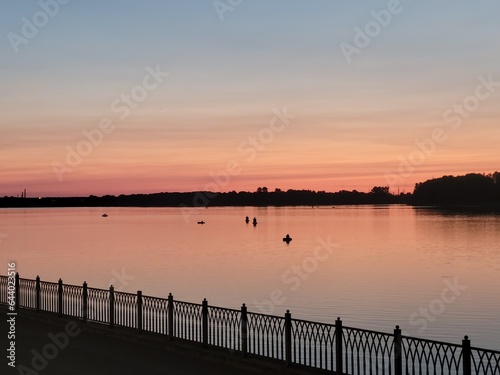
(335, 348)
(3, 289)
(224, 327)
(266, 335)
(368, 352)
(313, 344)
(49, 296)
(155, 315)
(72, 300)
(430, 357)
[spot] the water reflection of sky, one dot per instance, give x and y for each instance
(389, 264)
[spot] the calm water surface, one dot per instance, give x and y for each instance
(437, 276)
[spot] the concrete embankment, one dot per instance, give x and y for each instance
(46, 344)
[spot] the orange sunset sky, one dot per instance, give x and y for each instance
(130, 97)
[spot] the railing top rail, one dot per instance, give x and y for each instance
(223, 308)
(97, 289)
(43, 282)
(126, 294)
(188, 303)
(369, 331)
(70, 285)
(269, 316)
(431, 341)
(485, 350)
(153, 297)
(313, 322)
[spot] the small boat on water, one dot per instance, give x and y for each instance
(201, 222)
(287, 239)
(104, 215)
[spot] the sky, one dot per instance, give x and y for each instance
(121, 97)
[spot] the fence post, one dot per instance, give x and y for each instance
(170, 308)
(60, 298)
(17, 290)
(111, 306)
(244, 330)
(37, 296)
(338, 346)
(288, 338)
(204, 321)
(139, 311)
(85, 303)
(466, 356)
(398, 351)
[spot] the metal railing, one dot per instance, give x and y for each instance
(331, 347)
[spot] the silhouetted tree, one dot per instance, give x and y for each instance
(471, 189)
(380, 190)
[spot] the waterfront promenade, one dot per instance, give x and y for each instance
(98, 350)
(96, 331)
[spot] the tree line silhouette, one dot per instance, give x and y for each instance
(469, 190)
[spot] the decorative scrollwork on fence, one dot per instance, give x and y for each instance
(72, 300)
(98, 305)
(485, 361)
(431, 357)
(48, 296)
(3, 289)
(155, 312)
(367, 352)
(125, 309)
(313, 344)
(224, 327)
(27, 293)
(324, 346)
(187, 321)
(266, 335)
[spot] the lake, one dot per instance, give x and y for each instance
(435, 275)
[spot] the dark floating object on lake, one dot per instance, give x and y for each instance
(104, 215)
(247, 220)
(287, 239)
(201, 222)
(254, 221)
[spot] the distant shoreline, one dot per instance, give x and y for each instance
(203, 199)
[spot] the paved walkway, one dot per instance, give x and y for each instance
(94, 350)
